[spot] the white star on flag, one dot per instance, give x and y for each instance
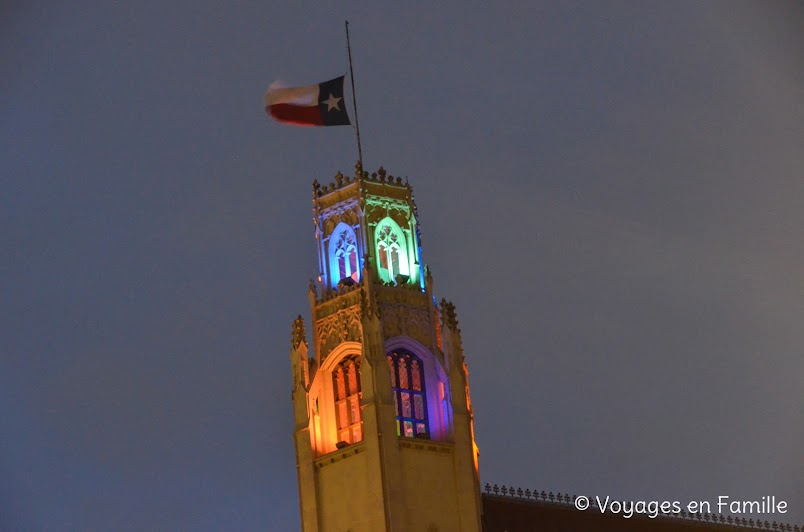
(332, 102)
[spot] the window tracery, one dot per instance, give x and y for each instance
(346, 386)
(410, 397)
(343, 254)
(391, 250)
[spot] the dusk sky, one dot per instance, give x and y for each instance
(612, 194)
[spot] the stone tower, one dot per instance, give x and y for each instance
(383, 420)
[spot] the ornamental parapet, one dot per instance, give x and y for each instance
(335, 294)
(379, 183)
(408, 294)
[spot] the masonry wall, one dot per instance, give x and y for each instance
(428, 471)
(344, 498)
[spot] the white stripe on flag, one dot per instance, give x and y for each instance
(306, 96)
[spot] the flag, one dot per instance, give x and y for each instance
(313, 105)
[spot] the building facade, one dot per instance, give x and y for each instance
(383, 418)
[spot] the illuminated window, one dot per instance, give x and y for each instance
(346, 382)
(410, 398)
(391, 250)
(343, 254)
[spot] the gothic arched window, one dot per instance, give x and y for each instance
(346, 384)
(410, 398)
(391, 250)
(343, 254)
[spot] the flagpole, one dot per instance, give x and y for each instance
(354, 97)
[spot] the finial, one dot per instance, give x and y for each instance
(312, 288)
(297, 335)
(339, 179)
(448, 314)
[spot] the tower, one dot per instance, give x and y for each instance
(383, 421)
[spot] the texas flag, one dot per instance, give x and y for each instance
(313, 105)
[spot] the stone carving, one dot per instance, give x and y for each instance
(399, 210)
(332, 301)
(400, 319)
(346, 212)
(341, 326)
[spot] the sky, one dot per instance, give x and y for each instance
(611, 193)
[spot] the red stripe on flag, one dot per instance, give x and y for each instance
(295, 114)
